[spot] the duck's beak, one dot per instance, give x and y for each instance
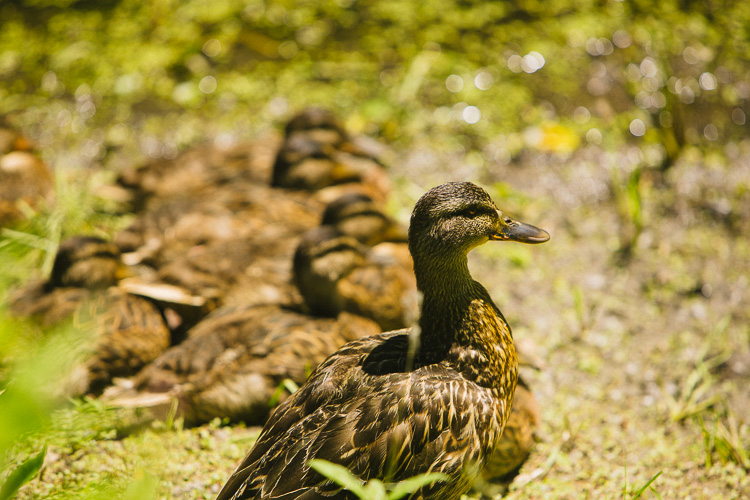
(513, 230)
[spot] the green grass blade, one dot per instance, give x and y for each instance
(341, 476)
(643, 488)
(412, 484)
(143, 488)
(22, 475)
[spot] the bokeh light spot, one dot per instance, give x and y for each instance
(738, 116)
(212, 47)
(288, 49)
(514, 63)
(711, 132)
(454, 83)
(707, 81)
(593, 136)
(621, 39)
(484, 80)
(648, 67)
(581, 115)
(207, 84)
(471, 114)
(532, 62)
(637, 127)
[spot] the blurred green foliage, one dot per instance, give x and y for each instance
(150, 73)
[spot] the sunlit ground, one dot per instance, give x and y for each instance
(620, 128)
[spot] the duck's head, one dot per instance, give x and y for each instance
(453, 218)
(86, 262)
(322, 258)
(357, 215)
(321, 123)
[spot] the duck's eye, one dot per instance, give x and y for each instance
(470, 212)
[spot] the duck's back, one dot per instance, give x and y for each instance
(362, 404)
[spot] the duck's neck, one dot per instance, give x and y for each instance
(448, 289)
(460, 324)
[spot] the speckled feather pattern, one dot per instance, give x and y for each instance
(127, 331)
(440, 417)
(372, 409)
(233, 361)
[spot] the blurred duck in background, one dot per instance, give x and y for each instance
(335, 272)
(227, 206)
(127, 331)
(236, 361)
(319, 155)
(26, 183)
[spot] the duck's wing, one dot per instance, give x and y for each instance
(130, 334)
(387, 425)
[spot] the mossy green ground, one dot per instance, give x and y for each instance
(637, 307)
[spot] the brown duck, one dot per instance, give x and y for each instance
(26, 183)
(128, 331)
(173, 228)
(389, 408)
(196, 171)
(335, 273)
(234, 361)
(319, 155)
(196, 372)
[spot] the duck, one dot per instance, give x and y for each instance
(241, 256)
(195, 171)
(318, 155)
(335, 272)
(128, 331)
(238, 200)
(171, 229)
(355, 262)
(26, 182)
(434, 398)
(358, 215)
(234, 362)
(260, 304)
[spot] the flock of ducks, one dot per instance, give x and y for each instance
(246, 271)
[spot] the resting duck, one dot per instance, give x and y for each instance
(174, 227)
(334, 272)
(26, 183)
(234, 361)
(128, 331)
(358, 215)
(391, 406)
(318, 155)
(196, 171)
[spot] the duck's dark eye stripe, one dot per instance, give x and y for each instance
(471, 212)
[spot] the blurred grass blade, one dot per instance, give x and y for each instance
(143, 488)
(22, 475)
(288, 385)
(412, 484)
(341, 476)
(643, 488)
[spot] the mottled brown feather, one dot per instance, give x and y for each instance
(127, 331)
(383, 413)
(233, 361)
